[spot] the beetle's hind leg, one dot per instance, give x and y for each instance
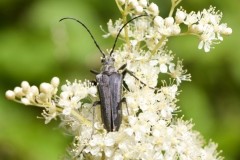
(124, 100)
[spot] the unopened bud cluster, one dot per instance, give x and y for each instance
(30, 95)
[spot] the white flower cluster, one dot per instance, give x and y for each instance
(149, 129)
(203, 24)
(206, 24)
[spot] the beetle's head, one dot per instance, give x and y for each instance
(107, 63)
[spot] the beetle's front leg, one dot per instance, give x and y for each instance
(123, 67)
(132, 74)
(125, 71)
(94, 72)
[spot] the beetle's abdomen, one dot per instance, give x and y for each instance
(110, 94)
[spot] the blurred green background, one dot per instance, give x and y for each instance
(34, 46)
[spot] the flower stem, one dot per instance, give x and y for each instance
(158, 45)
(124, 17)
(81, 118)
(119, 6)
(174, 5)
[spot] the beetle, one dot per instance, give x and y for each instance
(109, 84)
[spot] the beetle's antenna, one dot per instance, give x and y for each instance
(114, 44)
(87, 31)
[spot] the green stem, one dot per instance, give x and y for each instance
(124, 17)
(59, 109)
(175, 3)
(119, 7)
(188, 33)
(159, 44)
(81, 118)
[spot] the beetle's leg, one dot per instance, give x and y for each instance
(124, 100)
(122, 67)
(94, 72)
(132, 74)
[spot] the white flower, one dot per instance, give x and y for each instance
(180, 16)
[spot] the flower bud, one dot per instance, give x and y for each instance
(25, 86)
(143, 3)
(34, 90)
(46, 88)
(133, 3)
(18, 92)
(25, 101)
(227, 31)
(55, 82)
(139, 9)
(169, 21)
(153, 8)
(180, 16)
(158, 21)
(10, 95)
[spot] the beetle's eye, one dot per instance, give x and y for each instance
(103, 60)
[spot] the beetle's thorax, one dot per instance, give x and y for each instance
(108, 64)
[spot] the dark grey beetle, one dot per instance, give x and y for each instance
(109, 83)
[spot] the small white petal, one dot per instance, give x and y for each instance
(153, 62)
(129, 131)
(92, 91)
(207, 47)
(163, 68)
(67, 111)
(108, 152)
(109, 141)
(132, 120)
(200, 45)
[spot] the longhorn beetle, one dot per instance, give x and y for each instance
(109, 84)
